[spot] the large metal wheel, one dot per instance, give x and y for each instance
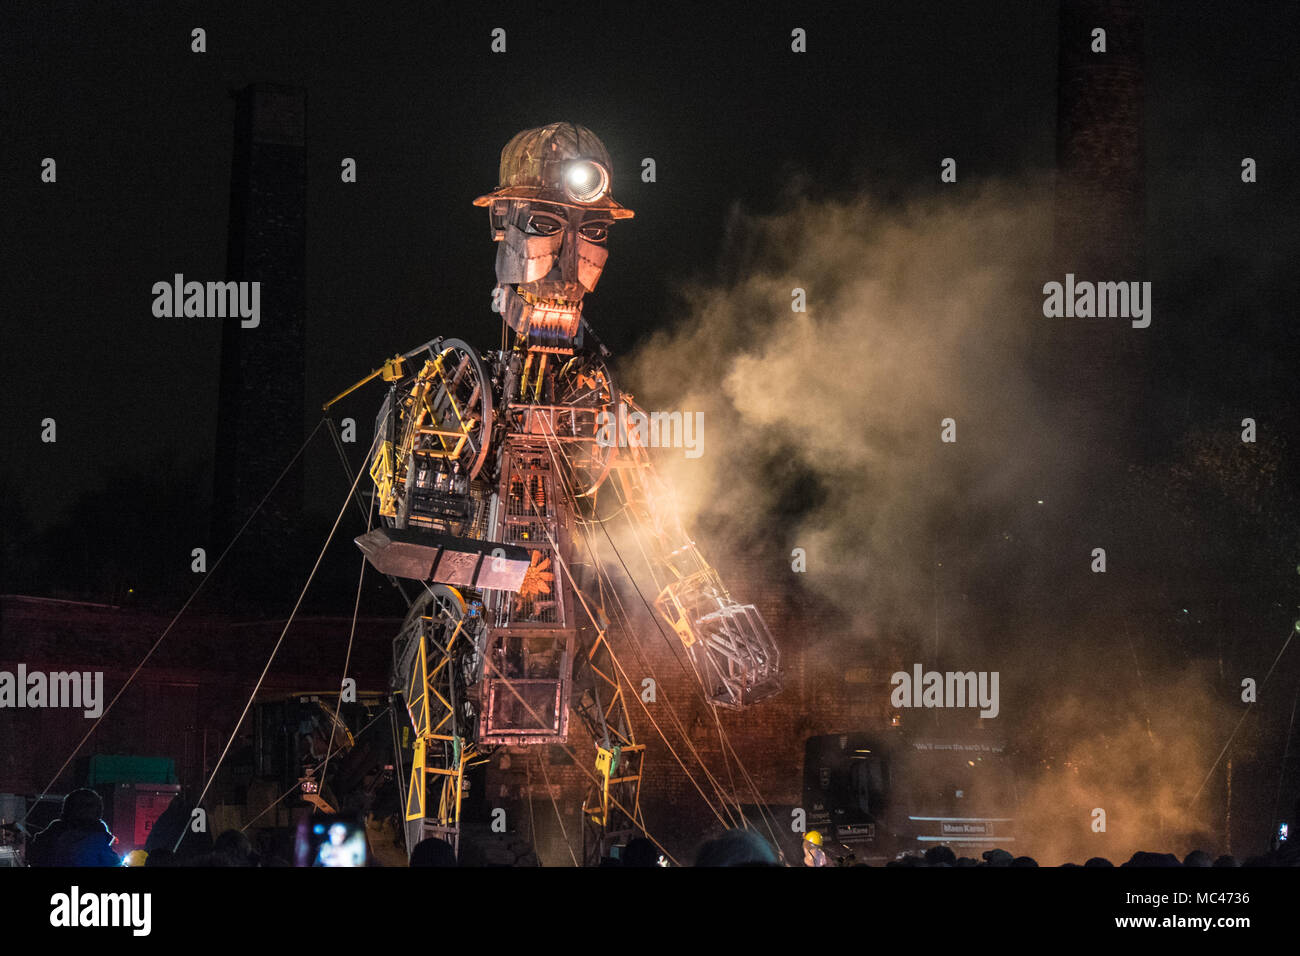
(433, 618)
(462, 401)
(436, 427)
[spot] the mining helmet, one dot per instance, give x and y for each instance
(814, 837)
(561, 163)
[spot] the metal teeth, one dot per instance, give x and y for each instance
(549, 304)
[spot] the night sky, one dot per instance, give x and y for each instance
(141, 130)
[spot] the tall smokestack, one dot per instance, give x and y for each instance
(260, 413)
(1101, 190)
(1096, 363)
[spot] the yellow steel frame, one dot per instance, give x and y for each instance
(626, 752)
(388, 469)
(607, 764)
(420, 695)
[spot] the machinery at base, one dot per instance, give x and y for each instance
(875, 797)
(296, 737)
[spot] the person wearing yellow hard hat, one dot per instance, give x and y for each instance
(813, 854)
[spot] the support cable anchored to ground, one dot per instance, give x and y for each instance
(564, 832)
(195, 593)
(723, 738)
(726, 799)
(603, 579)
(276, 649)
(347, 660)
(1249, 708)
(577, 591)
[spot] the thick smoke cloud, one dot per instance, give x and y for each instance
(913, 315)
(917, 313)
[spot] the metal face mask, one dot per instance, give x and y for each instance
(546, 241)
(550, 256)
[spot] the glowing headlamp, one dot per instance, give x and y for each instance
(585, 180)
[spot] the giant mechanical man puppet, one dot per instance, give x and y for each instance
(493, 484)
